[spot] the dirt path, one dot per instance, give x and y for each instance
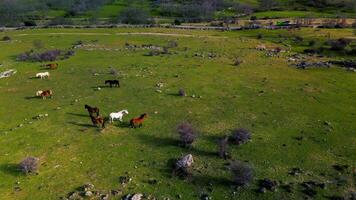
(134, 33)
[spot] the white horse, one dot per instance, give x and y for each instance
(38, 93)
(117, 115)
(42, 75)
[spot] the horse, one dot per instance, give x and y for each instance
(137, 122)
(42, 75)
(117, 115)
(113, 82)
(51, 66)
(98, 121)
(38, 93)
(46, 93)
(92, 110)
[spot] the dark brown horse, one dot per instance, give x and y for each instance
(51, 66)
(113, 83)
(137, 122)
(98, 121)
(46, 93)
(92, 110)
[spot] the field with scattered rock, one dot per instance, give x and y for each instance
(301, 120)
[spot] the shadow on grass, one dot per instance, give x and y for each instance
(121, 124)
(32, 97)
(103, 86)
(174, 94)
(78, 115)
(166, 141)
(81, 124)
(206, 180)
(12, 169)
(157, 141)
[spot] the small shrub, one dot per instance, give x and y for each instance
(312, 43)
(29, 165)
(38, 44)
(177, 22)
(237, 61)
(30, 23)
(113, 71)
(298, 39)
(253, 18)
(181, 92)
(172, 44)
(50, 55)
(154, 52)
(240, 136)
(339, 44)
(223, 147)
(259, 36)
(187, 133)
(242, 173)
(60, 21)
(6, 38)
(133, 15)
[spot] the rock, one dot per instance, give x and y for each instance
(88, 193)
(295, 171)
(137, 196)
(124, 180)
(179, 196)
(185, 162)
(104, 197)
(88, 187)
(268, 184)
(159, 91)
(116, 192)
(20, 125)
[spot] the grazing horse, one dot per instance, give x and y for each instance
(46, 93)
(113, 82)
(137, 122)
(98, 121)
(51, 66)
(42, 75)
(117, 115)
(38, 93)
(92, 110)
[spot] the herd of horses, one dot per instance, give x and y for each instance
(94, 112)
(97, 120)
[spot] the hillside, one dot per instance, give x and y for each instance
(301, 121)
(20, 11)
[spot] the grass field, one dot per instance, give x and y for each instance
(276, 102)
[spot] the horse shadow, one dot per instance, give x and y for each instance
(158, 141)
(78, 115)
(210, 181)
(122, 124)
(31, 97)
(12, 169)
(81, 124)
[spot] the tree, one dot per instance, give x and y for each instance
(134, 15)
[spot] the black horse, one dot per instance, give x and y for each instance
(92, 110)
(113, 83)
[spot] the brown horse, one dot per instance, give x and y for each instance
(46, 93)
(92, 110)
(137, 122)
(51, 66)
(98, 121)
